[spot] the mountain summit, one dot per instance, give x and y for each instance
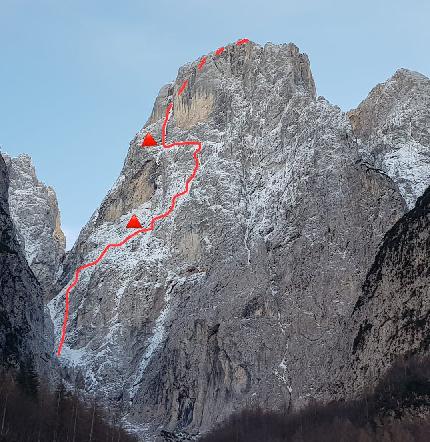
(236, 298)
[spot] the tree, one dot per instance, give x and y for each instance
(27, 378)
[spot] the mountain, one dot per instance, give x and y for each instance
(391, 128)
(239, 296)
(391, 317)
(26, 337)
(35, 213)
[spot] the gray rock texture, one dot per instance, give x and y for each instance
(239, 296)
(391, 317)
(392, 130)
(25, 330)
(35, 213)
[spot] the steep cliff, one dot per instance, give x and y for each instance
(236, 297)
(391, 317)
(25, 332)
(35, 213)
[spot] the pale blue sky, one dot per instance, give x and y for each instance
(78, 77)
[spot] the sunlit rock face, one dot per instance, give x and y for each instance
(35, 213)
(236, 298)
(392, 130)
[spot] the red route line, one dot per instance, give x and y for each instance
(155, 218)
(242, 41)
(184, 85)
(202, 63)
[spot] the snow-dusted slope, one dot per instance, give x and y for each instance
(235, 298)
(25, 332)
(392, 127)
(35, 213)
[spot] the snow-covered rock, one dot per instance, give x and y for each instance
(25, 330)
(392, 127)
(236, 297)
(35, 213)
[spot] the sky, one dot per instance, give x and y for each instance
(78, 78)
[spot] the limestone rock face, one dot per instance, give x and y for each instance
(392, 128)
(236, 298)
(391, 317)
(35, 213)
(25, 330)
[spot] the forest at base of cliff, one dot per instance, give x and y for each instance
(31, 411)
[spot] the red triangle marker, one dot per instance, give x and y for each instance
(134, 223)
(149, 141)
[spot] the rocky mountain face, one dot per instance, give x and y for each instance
(238, 296)
(391, 317)
(392, 131)
(35, 213)
(25, 333)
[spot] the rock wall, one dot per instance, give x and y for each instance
(35, 213)
(238, 297)
(392, 129)
(391, 317)
(25, 329)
